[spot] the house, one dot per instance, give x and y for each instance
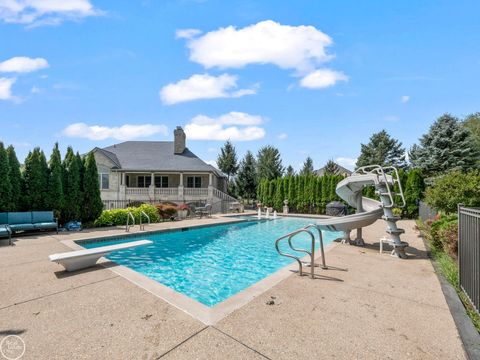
(340, 171)
(156, 171)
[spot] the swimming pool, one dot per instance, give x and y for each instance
(212, 263)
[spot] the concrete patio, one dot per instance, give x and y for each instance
(368, 306)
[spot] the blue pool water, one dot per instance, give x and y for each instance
(210, 264)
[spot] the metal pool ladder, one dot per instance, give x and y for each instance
(311, 253)
(142, 226)
(130, 216)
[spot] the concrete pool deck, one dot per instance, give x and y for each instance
(369, 306)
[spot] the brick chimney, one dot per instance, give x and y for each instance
(179, 140)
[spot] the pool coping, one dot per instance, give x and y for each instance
(199, 311)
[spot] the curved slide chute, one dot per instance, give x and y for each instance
(369, 210)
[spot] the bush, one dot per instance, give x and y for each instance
(453, 189)
(119, 216)
(166, 211)
(443, 234)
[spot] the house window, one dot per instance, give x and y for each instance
(144, 181)
(194, 182)
(161, 181)
(103, 181)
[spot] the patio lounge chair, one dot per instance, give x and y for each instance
(80, 259)
(203, 210)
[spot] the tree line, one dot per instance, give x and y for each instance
(70, 187)
(305, 193)
(451, 144)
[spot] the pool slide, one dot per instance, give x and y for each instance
(369, 210)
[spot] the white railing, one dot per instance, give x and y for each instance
(223, 196)
(172, 191)
(136, 191)
(195, 192)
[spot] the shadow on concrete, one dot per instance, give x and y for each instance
(62, 274)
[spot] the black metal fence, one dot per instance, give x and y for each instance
(425, 212)
(469, 253)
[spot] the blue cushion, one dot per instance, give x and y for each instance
(19, 227)
(42, 216)
(19, 218)
(45, 225)
(4, 218)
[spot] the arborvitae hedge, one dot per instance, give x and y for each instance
(70, 188)
(311, 194)
(305, 193)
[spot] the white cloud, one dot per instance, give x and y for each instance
(124, 132)
(45, 12)
(289, 47)
(6, 88)
(35, 90)
(213, 163)
(346, 162)
(405, 98)
(187, 33)
(23, 64)
(322, 78)
(235, 126)
(202, 86)
(282, 136)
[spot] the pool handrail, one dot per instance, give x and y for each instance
(130, 216)
(290, 236)
(320, 237)
(143, 213)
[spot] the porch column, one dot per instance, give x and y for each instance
(151, 188)
(210, 188)
(180, 187)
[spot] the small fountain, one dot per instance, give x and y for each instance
(259, 213)
(275, 214)
(267, 214)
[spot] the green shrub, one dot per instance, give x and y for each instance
(452, 189)
(166, 211)
(119, 216)
(443, 234)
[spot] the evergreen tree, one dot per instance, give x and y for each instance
(292, 193)
(5, 184)
(269, 163)
(331, 168)
(15, 180)
(227, 160)
(35, 181)
(307, 168)
(71, 187)
(300, 193)
(92, 203)
(325, 190)
(279, 194)
(472, 123)
(447, 146)
(247, 177)
(382, 150)
(414, 189)
(55, 182)
(271, 193)
(290, 171)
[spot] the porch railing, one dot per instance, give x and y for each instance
(136, 191)
(195, 191)
(166, 191)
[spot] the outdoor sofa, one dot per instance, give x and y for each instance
(29, 220)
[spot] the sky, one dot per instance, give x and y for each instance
(313, 78)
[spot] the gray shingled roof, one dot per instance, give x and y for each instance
(341, 171)
(155, 155)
